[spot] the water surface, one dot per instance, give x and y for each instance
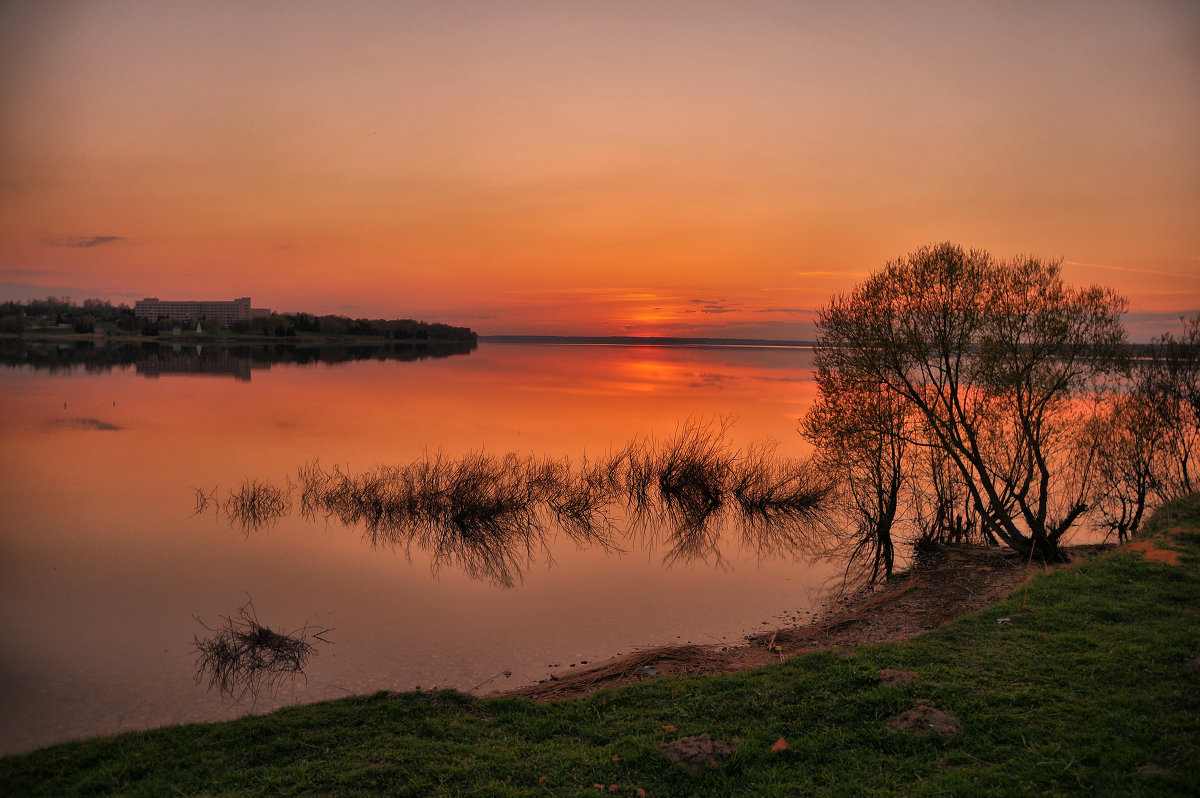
(104, 567)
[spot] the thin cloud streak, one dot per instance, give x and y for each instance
(1127, 269)
(83, 242)
(810, 311)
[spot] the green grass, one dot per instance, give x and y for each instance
(1092, 691)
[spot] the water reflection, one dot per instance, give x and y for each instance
(236, 360)
(98, 542)
(490, 515)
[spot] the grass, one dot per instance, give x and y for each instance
(1093, 690)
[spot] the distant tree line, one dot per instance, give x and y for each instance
(290, 324)
(965, 399)
(21, 317)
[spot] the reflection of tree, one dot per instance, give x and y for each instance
(859, 432)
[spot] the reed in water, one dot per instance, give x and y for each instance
(491, 514)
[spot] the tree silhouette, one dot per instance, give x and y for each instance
(996, 361)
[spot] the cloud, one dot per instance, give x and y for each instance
(786, 310)
(1168, 316)
(83, 242)
(828, 273)
(27, 273)
(1135, 270)
(714, 306)
(616, 293)
(83, 424)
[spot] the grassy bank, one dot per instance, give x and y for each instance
(1091, 685)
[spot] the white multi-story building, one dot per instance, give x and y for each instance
(229, 312)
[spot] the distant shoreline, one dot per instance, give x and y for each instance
(224, 338)
(630, 340)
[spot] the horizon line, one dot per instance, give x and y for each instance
(643, 339)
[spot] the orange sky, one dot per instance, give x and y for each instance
(686, 168)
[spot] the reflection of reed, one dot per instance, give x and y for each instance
(489, 515)
(780, 500)
(485, 514)
(685, 490)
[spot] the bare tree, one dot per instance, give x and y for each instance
(1169, 379)
(1129, 441)
(1148, 438)
(994, 358)
(860, 431)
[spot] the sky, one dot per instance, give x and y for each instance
(593, 168)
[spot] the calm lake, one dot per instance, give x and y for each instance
(105, 567)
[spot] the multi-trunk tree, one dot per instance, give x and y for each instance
(993, 368)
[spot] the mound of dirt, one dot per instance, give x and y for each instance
(924, 721)
(894, 676)
(1150, 550)
(697, 753)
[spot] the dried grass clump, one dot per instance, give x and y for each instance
(580, 501)
(491, 514)
(243, 658)
(692, 474)
(257, 504)
(205, 500)
(781, 501)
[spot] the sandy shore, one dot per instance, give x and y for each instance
(942, 585)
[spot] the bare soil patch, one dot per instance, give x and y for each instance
(894, 676)
(1150, 550)
(697, 753)
(943, 584)
(924, 721)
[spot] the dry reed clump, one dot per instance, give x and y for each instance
(579, 501)
(205, 500)
(243, 657)
(257, 504)
(693, 470)
(483, 519)
(780, 500)
(491, 514)
(701, 484)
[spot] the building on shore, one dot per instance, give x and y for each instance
(229, 311)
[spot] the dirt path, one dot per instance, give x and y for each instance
(945, 584)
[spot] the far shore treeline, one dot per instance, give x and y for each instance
(59, 315)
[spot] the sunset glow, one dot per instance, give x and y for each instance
(667, 168)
